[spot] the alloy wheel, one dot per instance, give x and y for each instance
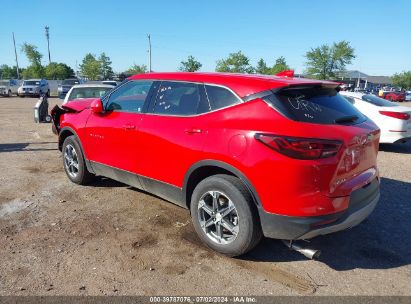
(71, 161)
(218, 217)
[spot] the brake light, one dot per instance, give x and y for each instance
(398, 115)
(300, 148)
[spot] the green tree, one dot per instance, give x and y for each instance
(262, 67)
(137, 69)
(327, 61)
(58, 71)
(190, 65)
(279, 66)
(402, 80)
(106, 69)
(8, 72)
(90, 67)
(35, 69)
(235, 63)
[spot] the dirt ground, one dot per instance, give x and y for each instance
(58, 238)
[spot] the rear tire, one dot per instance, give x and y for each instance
(231, 233)
(74, 163)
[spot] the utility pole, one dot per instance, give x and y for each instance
(149, 52)
(48, 40)
(17, 62)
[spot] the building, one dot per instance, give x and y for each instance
(358, 79)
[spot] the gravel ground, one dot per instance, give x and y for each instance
(58, 238)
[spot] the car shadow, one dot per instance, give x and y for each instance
(105, 182)
(382, 241)
(19, 147)
(404, 148)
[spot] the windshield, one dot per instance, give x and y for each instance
(4, 83)
(315, 105)
(377, 101)
(70, 82)
(32, 83)
(79, 93)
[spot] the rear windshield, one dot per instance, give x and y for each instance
(315, 105)
(88, 92)
(377, 101)
(70, 82)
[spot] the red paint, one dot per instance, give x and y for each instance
(165, 147)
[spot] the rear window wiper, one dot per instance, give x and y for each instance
(345, 119)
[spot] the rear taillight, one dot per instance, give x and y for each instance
(300, 148)
(398, 115)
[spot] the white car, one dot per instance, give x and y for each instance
(90, 90)
(393, 120)
(8, 87)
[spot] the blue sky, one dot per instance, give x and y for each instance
(379, 30)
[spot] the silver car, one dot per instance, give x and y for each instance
(34, 87)
(8, 87)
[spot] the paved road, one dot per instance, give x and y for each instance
(58, 238)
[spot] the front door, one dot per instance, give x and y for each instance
(112, 135)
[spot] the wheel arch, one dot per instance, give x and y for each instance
(207, 168)
(66, 132)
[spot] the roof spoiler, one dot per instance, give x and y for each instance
(286, 73)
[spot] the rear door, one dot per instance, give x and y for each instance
(172, 134)
(112, 135)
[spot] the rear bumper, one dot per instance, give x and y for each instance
(395, 137)
(362, 203)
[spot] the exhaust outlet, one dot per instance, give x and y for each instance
(307, 252)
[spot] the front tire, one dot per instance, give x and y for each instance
(224, 215)
(73, 161)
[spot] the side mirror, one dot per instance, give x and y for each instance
(96, 106)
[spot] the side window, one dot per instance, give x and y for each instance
(130, 97)
(220, 97)
(177, 98)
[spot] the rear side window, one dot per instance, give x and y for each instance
(220, 97)
(377, 101)
(177, 98)
(315, 105)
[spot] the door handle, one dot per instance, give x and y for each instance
(193, 131)
(129, 127)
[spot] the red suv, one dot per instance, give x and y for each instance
(248, 155)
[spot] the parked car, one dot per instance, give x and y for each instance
(87, 90)
(248, 155)
(110, 82)
(408, 96)
(34, 87)
(393, 120)
(8, 87)
(66, 85)
(394, 96)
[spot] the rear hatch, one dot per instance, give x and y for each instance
(325, 114)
